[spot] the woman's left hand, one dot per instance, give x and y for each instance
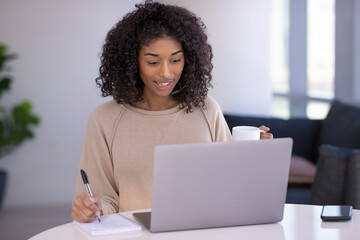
(266, 134)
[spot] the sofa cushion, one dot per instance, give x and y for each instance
(341, 127)
(303, 131)
(302, 171)
(328, 185)
(352, 190)
(337, 177)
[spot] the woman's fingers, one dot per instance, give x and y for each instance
(86, 208)
(266, 134)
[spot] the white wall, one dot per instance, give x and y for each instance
(239, 32)
(58, 45)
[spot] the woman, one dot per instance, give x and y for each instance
(156, 64)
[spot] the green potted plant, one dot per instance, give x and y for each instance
(16, 122)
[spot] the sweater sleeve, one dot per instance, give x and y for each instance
(217, 123)
(96, 160)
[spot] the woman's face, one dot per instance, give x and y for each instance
(160, 65)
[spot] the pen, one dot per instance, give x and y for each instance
(86, 182)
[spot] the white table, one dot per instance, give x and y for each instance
(300, 222)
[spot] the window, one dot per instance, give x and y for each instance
(320, 48)
(279, 49)
(305, 88)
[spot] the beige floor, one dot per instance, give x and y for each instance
(24, 222)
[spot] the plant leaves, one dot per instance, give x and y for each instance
(22, 114)
(4, 56)
(5, 83)
(2, 129)
(14, 125)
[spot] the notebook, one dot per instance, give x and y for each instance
(206, 185)
(110, 224)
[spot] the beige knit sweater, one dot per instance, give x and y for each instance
(119, 147)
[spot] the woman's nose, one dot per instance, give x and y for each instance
(165, 71)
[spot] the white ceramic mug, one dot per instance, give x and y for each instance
(241, 133)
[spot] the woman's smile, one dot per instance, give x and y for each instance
(163, 86)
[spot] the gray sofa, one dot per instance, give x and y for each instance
(325, 153)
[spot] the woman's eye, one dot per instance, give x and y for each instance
(176, 60)
(152, 63)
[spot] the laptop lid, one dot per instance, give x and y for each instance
(205, 185)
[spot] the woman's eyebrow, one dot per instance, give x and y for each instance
(156, 55)
(177, 52)
(151, 54)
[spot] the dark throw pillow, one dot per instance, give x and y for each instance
(337, 178)
(341, 127)
(352, 190)
(329, 181)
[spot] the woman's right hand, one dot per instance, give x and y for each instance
(86, 208)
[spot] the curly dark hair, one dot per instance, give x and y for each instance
(119, 73)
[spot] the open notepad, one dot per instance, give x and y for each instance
(110, 224)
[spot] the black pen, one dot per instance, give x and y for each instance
(86, 182)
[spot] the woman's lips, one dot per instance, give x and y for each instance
(163, 86)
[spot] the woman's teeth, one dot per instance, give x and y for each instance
(163, 84)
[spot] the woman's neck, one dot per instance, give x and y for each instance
(158, 105)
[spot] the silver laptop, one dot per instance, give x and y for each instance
(207, 185)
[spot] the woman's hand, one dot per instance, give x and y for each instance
(266, 134)
(86, 208)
